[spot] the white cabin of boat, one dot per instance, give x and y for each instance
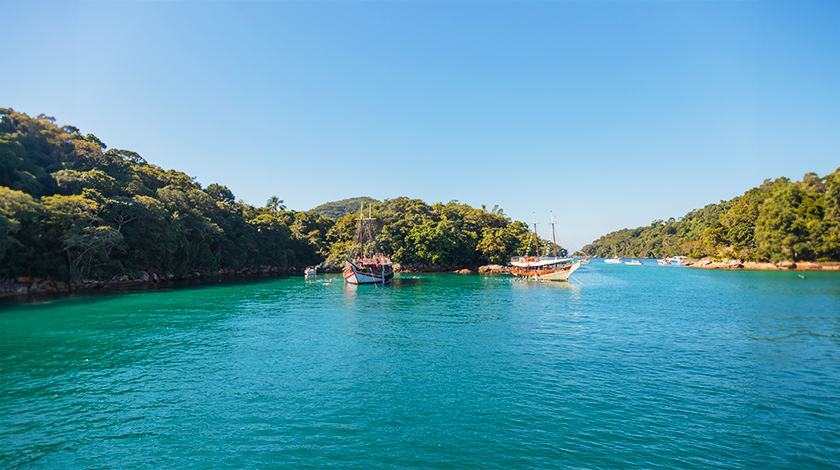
(558, 269)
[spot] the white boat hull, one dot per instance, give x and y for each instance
(562, 273)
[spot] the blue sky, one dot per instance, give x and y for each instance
(610, 114)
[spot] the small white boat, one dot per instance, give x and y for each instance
(663, 262)
(634, 262)
(678, 260)
(586, 261)
(613, 260)
(310, 271)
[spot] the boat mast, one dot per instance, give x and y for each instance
(536, 238)
(361, 232)
(553, 240)
(370, 233)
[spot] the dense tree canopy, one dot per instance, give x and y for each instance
(452, 234)
(72, 208)
(338, 209)
(778, 220)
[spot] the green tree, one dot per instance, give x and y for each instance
(275, 204)
(433, 241)
(220, 193)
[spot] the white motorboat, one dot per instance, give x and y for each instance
(310, 271)
(634, 262)
(663, 262)
(615, 259)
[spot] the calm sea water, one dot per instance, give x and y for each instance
(629, 367)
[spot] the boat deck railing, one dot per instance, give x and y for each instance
(530, 259)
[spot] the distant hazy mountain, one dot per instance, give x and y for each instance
(337, 209)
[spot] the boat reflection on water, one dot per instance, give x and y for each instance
(396, 281)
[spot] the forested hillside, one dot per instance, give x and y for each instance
(451, 234)
(73, 209)
(778, 220)
(338, 209)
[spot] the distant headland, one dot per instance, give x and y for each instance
(779, 225)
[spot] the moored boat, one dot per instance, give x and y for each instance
(369, 267)
(544, 268)
(663, 262)
(310, 271)
(375, 270)
(615, 259)
(634, 262)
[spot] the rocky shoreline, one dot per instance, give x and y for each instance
(417, 268)
(787, 265)
(421, 268)
(489, 269)
(26, 286)
(23, 287)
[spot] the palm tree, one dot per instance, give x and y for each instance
(275, 204)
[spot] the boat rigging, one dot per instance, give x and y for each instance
(370, 267)
(543, 268)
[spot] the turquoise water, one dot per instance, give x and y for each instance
(627, 367)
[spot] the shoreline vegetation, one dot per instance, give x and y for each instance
(779, 223)
(75, 214)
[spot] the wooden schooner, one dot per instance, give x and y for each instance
(369, 267)
(544, 268)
